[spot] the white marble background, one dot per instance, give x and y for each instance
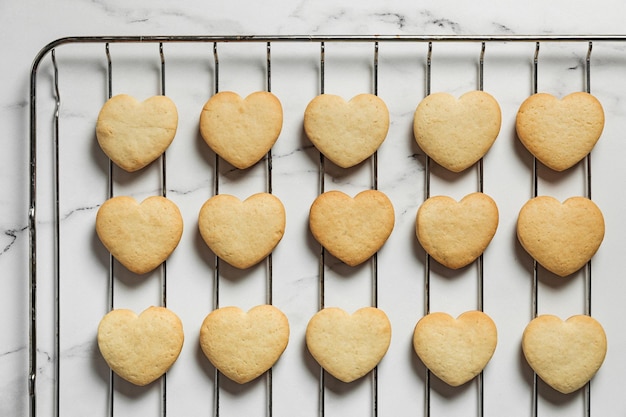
(26, 26)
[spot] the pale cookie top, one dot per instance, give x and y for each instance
(348, 346)
(242, 131)
(560, 133)
(456, 133)
(562, 237)
(133, 134)
(455, 350)
(139, 235)
(349, 132)
(565, 354)
(456, 233)
(243, 345)
(352, 229)
(242, 233)
(140, 348)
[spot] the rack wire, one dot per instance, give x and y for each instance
(215, 41)
(428, 259)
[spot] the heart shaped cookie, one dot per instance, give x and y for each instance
(561, 237)
(242, 232)
(348, 346)
(352, 229)
(456, 133)
(455, 350)
(347, 133)
(456, 233)
(242, 131)
(140, 236)
(243, 345)
(140, 348)
(564, 354)
(132, 133)
(560, 133)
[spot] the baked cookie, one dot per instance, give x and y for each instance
(140, 236)
(456, 233)
(560, 133)
(348, 346)
(564, 354)
(562, 237)
(243, 345)
(346, 133)
(140, 348)
(455, 350)
(132, 133)
(242, 131)
(242, 233)
(456, 133)
(352, 229)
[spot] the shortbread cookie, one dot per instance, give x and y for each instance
(132, 133)
(456, 133)
(243, 345)
(564, 354)
(560, 133)
(348, 346)
(242, 131)
(140, 236)
(456, 233)
(561, 237)
(352, 229)
(455, 350)
(242, 233)
(347, 133)
(140, 348)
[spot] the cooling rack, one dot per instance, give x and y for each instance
(70, 178)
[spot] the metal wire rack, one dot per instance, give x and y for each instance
(57, 405)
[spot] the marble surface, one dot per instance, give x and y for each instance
(26, 26)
